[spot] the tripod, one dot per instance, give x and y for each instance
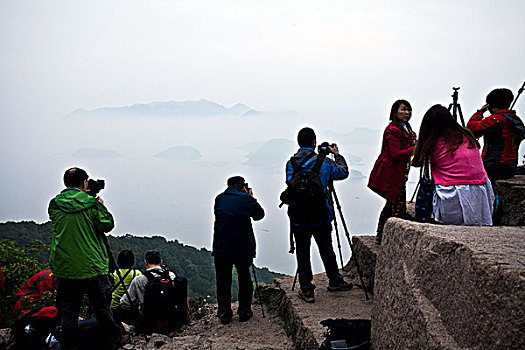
(257, 290)
(520, 90)
(456, 107)
(334, 194)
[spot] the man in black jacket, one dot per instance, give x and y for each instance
(234, 244)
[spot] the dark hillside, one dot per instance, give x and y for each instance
(194, 264)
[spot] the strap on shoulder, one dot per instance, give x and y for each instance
(149, 275)
(318, 163)
(296, 165)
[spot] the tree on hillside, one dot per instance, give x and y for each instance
(18, 265)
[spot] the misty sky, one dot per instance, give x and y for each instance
(339, 64)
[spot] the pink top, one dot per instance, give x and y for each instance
(463, 168)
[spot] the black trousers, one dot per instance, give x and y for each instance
(70, 293)
(223, 274)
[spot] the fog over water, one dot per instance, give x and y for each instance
(336, 67)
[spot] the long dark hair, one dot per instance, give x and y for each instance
(438, 124)
(395, 108)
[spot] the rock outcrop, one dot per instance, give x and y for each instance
(449, 287)
(512, 192)
(366, 252)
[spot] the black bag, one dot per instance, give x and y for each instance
(347, 334)
(305, 194)
(425, 196)
(31, 329)
(165, 303)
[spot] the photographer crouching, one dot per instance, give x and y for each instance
(234, 244)
(79, 258)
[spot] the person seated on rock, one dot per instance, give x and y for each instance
(463, 193)
(33, 290)
(502, 133)
(125, 262)
(147, 303)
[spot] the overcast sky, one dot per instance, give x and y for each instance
(321, 58)
(339, 64)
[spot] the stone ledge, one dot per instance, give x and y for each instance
(512, 192)
(449, 287)
(301, 319)
(366, 252)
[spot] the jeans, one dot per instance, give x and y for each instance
(223, 274)
(70, 293)
(323, 238)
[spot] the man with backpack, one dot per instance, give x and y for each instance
(158, 297)
(234, 244)
(311, 213)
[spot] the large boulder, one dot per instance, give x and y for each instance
(365, 251)
(512, 192)
(449, 287)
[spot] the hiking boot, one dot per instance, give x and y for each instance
(340, 286)
(225, 316)
(245, 316)
(307, 296)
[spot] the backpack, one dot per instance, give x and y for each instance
(347, 334)
(305, 194)
(165, 302)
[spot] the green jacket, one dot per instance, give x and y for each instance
(77, 248)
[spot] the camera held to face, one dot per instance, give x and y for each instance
(94, 186)
(323, 148)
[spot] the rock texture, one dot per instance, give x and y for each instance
(512, 192)
(301, 320)
(449, 287)
(366, 252)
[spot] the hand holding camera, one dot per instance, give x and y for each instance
(326, 148)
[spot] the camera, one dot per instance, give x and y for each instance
(94, 187)
(323, 148)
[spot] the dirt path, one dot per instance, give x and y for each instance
(208, 333)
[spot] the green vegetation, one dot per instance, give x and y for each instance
(194, 264)
(18, 265)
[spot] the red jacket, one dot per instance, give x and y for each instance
(34, 289)
(389, 173)
(502, 133)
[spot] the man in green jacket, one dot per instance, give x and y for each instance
(79, 258)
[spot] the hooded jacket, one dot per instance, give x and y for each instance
(232, 231)
(79, 221)
(330, 170)
(502, 133)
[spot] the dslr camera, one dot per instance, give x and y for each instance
(94, 187)
(323, 148)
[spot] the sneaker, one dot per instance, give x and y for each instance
(340, 286)
(307, 296)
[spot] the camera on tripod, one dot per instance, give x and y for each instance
(94, 186)
(323, 148)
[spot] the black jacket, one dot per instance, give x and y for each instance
(232, 232)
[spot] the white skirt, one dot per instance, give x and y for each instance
(470, 205)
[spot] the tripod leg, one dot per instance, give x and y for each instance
(358, 268)
(295, 279)
(461, 115)
(257, 290)
(338, 242)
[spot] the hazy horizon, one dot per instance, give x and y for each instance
(336, 66)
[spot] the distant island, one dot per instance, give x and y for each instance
(184, 109)
(180, 153)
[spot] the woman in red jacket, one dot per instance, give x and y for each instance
(388, 178)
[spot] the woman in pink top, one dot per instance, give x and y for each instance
(463, 193)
